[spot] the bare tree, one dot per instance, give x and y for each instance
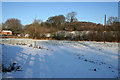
(14, 25)
(71, 17)
(112, 20)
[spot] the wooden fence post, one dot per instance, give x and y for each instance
(10, 41)
(34, 44)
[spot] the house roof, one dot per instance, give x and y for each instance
(6, 31)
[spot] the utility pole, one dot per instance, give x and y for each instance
(105, 19)
(104, 28)
(35, 33)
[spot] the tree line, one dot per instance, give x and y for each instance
(57, 23)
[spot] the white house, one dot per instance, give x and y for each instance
(27, 35)
(48, 35)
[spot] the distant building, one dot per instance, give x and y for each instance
(6, 32)
(48, 35)
(19, 35)
(27, 35)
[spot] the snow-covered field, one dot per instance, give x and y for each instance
(62, 59)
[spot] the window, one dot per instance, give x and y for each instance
(7, 32)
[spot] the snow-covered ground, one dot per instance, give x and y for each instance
(62, 59)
